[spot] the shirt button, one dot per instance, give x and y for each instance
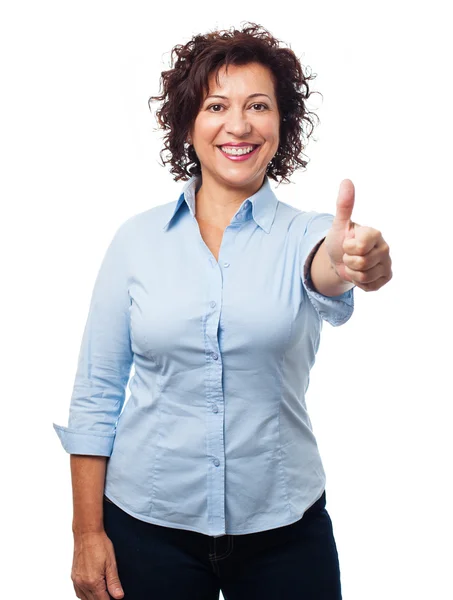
(215, 408)
(216, 462)
(226, 264)
(214, 356)
(213, 304)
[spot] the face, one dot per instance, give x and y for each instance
(246, 114)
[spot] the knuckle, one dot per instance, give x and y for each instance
(92, 583)
(360, 247)
(77, 580)
(361, 262)
(85, 583)
(362, 277)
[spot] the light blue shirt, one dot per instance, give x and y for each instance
(215, 436)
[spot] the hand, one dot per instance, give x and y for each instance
(94, 569)
(358, 254)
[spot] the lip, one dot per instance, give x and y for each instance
(244, 156)
(241, 145)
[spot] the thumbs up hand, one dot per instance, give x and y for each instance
(358, 254)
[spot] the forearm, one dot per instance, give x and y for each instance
(323, 275)
(88, 480)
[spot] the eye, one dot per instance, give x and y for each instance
(212, 105)
(255, 104)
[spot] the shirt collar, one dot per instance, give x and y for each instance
(263, 203)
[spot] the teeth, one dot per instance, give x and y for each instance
(237, 151)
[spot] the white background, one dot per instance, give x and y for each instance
(79, 156)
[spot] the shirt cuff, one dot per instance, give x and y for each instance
(336, 310)
(81, 442)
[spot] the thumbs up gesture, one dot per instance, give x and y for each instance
(358, 254)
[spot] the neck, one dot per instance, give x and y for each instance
(217, 203)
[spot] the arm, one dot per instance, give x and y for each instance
(88, 476)
(94, 569)
(324, 277)
(105, 357)
(103, 369)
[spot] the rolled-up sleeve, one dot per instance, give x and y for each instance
(336, 310)
(105, 357)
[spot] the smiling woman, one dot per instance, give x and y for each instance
(234, 106)
(271, 91)
(214, 481)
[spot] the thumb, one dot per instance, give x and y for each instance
(113, 581)
(345, 204)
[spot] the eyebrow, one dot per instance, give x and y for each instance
(226, 98)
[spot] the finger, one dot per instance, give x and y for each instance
(375, 285)
(89, 595)
(102, 592)
(363, 263)
(369, 276)
(345, 203)
(113, 582)
(99, 593)
(112, 579)
(365, 239)
(92, 594)
(80, 593)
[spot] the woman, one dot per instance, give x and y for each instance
(213, 479)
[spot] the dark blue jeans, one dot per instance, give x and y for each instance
(294, 562)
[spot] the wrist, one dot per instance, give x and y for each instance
(79, 532)
(334, 269)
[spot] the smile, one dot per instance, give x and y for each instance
(239, 157)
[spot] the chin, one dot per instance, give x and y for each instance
(241, 178)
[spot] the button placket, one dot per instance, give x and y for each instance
(214, 386)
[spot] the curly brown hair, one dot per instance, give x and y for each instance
(185, 85)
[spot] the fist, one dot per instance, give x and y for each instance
(358, 254)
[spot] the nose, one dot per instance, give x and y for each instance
(237, 123)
